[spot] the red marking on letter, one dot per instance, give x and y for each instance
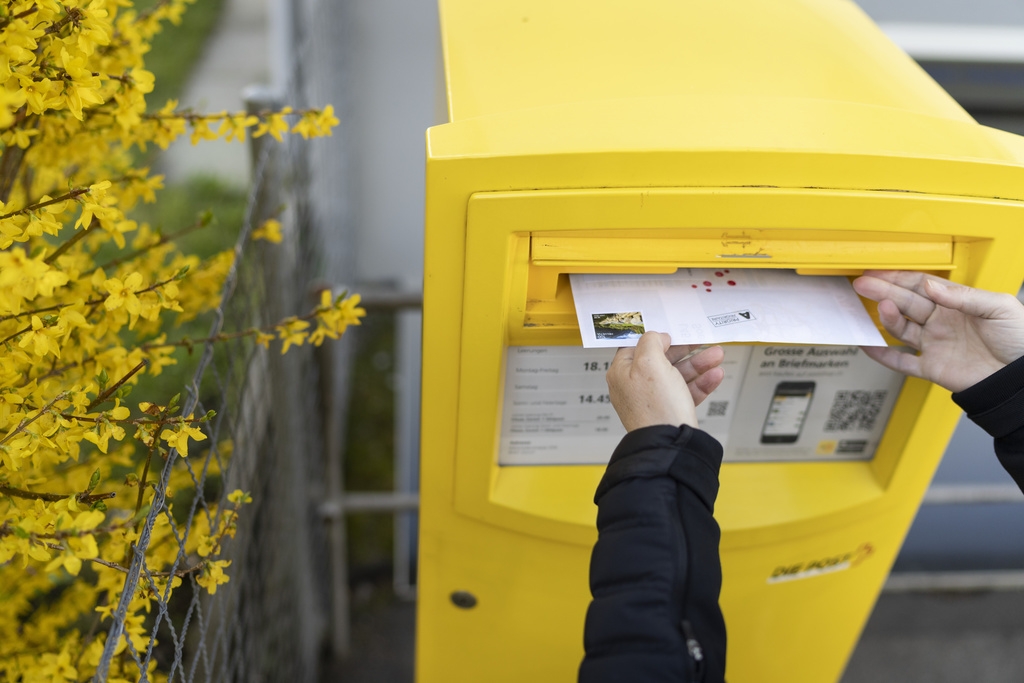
(694, 286)
(707, 290)
(718, 273)
(732, 282)
(707, 283)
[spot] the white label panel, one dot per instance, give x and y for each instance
(556, 409)
(811, 403)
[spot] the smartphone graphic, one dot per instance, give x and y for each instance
(787, 412)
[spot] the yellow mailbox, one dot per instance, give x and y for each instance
(642, 137)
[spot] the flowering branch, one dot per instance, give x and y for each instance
(73, 194)
(203, 221)
(74, 16)
(84, 497)
(15, 335)
(74, 107)
(20, 15)
(116, 385)
(335, 317)
(89, 302)
(29, 420)
(181, 573)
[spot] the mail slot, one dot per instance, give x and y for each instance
(644, 138)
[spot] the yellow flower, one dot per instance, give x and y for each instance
(118, 412)
(123, 294)
(89, 520)
(292, 331)
(239, 497)
(167, 130)
(56, 667)
(96, 204)
(142, 79)
(168, 108)
(81, 87)
(10, 399)
(40, 338)
(21, 137)
(173, 12)
(178, 438)
(306, 127)
(212, 575)
(35, 92)
(326, 120)
(76, 67)
(116, 229)
(201, 130)
(236, 126)
(102, 433)
(264, 339)
(275, 124)
(269, 231)
(334, 318)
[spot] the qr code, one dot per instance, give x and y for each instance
(717, 408)
(856, 410)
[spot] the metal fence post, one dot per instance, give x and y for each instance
(341, 627)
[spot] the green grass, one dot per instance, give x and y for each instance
(177, 207)
(369, 447)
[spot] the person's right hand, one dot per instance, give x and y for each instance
(962, 334)
(656, 384)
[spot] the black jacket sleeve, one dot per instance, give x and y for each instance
(655, 574)
(996, 404)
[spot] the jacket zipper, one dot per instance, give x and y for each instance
(694, 648)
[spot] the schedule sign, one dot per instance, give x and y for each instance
(556, 409)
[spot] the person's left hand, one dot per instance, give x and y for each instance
(652, 384)
(962, 334)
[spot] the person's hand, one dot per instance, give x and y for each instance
(962, 334)
(652, 384)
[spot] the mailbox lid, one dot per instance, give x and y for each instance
(794, 93)
(743, 247)
(513, 56)
(727, 142)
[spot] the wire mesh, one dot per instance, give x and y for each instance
(267, 622)
(270, 621)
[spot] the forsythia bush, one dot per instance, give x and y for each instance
(88, 299)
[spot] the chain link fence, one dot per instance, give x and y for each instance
(280, 420)
(268, 623)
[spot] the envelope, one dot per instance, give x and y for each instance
(713, 306)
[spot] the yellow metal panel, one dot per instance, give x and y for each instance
(776, 512)
(497, 269)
